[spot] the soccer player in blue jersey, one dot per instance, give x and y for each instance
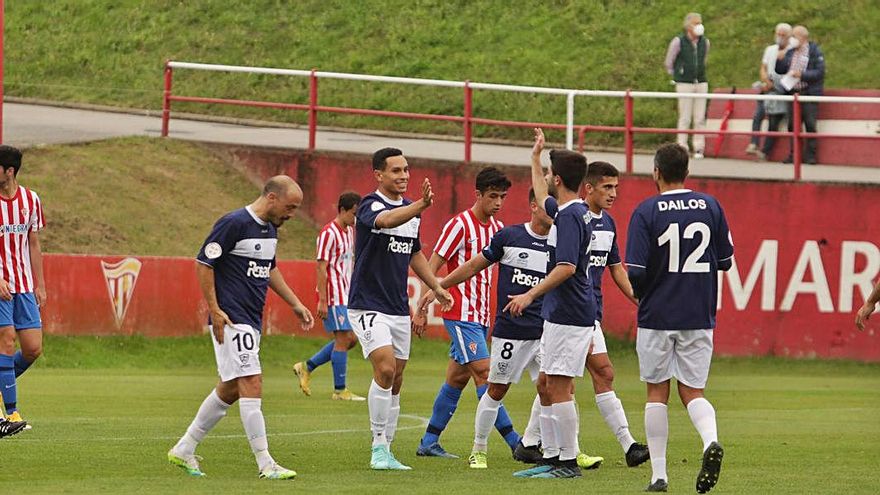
(569, 308)
(386, 247)
(677, 242)
(601, 188)
(235, 267)
(522, 254)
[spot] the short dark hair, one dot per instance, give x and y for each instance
(492, 178)
(671, 160)
(570, 166)
(382, 155)
(348, 200)
(597, 170)
(532, 196)
(10, 157)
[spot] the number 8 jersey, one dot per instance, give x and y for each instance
(678, 238)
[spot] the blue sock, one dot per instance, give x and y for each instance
(7, 383)
(503, 423)
(321, 356)
(21, 364)
(444, 408)
(339, 360)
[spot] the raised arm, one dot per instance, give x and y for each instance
(399, 216)
(539, 183)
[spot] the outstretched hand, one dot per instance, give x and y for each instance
(539, 142)
(427, 193)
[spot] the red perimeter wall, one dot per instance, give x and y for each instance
(806, 256)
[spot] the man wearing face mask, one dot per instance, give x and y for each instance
(804, 62)
(769, 78)
(686, 63)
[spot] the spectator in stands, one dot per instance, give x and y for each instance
(804, 63)
(686, 63)
(769, 77)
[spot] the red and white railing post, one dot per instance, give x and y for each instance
(468, 120)
(166, 98)
(796, 138)
(628, 132)
(468, 124)
(313, 109)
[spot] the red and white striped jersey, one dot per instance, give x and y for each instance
(335, 246)
(21, 214)
(463, 238)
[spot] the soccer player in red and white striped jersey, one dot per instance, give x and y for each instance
(335, 254)
(463, 237)
(22, 288)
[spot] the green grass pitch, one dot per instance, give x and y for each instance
(106, 410)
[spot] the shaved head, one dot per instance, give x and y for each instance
(281, 185)
(280, 199)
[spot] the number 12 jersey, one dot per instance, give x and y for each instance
(678, 238)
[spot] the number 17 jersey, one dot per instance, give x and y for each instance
(678, 237)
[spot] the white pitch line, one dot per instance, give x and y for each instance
(423, 422)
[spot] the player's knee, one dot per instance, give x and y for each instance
(480, 370)
(458, 381)
(497, 390)
(31, 354)
(605, 375)
(351, 340)
(7, 341)
(250, 386)
(384, 374)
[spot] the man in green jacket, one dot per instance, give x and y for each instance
(686, 63)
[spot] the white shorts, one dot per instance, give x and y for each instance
(375, 330)
(683, 354)
(239, 354)
(599, 346)
(511, 357)
(564, 349)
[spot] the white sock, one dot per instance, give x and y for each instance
(255, 428)
(577, 433)
(487, 413)
(210, 412)
(657, 431)
(532, 435)
(379, 404)
(612, 411)
(703, 417)
(548, 433)
(393, 415)
(565, 414)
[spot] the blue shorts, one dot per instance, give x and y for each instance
(468, 341)
(21, 312)
(337, 319)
